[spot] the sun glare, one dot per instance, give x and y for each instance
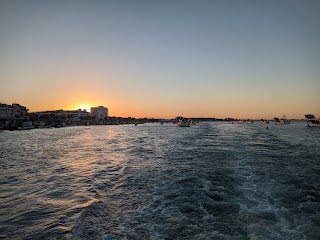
(83, 107)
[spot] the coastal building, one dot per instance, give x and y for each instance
(18, 111)
(5, 111)
(14, 111)
(64, 115)
(100, 113)
(73, 113)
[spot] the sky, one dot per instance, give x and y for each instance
(161, 59)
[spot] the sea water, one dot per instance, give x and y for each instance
(210, 181)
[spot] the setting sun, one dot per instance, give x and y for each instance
(83, 107)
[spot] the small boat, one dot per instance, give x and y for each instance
(184, 122)
(283, 120)
(41, 125)
(26, 126)
(60, 125)
(312, 121)
(250, 121)
(264, 121)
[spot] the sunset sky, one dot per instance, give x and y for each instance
(244, 59)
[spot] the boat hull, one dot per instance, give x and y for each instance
(25, 128)
(313, 123)
(184, 123)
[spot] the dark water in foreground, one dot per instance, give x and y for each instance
(209, 181)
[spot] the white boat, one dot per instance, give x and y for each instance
(312, 121)
(184, 122)
(283, 120)
(264, 121)
(41, 125)
(26, 126)
(59, 125)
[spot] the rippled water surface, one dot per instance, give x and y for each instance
(152, 181)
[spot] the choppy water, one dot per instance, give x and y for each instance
(209, 181)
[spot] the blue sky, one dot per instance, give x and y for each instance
(162, 58)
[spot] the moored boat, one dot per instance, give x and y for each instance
(26, 126)
(312, 121)
(283, 120)
(184, 122)
(60, 124)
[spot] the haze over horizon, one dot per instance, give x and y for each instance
(242, 59)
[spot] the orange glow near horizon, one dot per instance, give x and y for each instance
(83, 107)
(55, 56)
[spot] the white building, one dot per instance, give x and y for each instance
(65, 113)
(12, 111)
(18, 111)
(5, 111)
(100, 113)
